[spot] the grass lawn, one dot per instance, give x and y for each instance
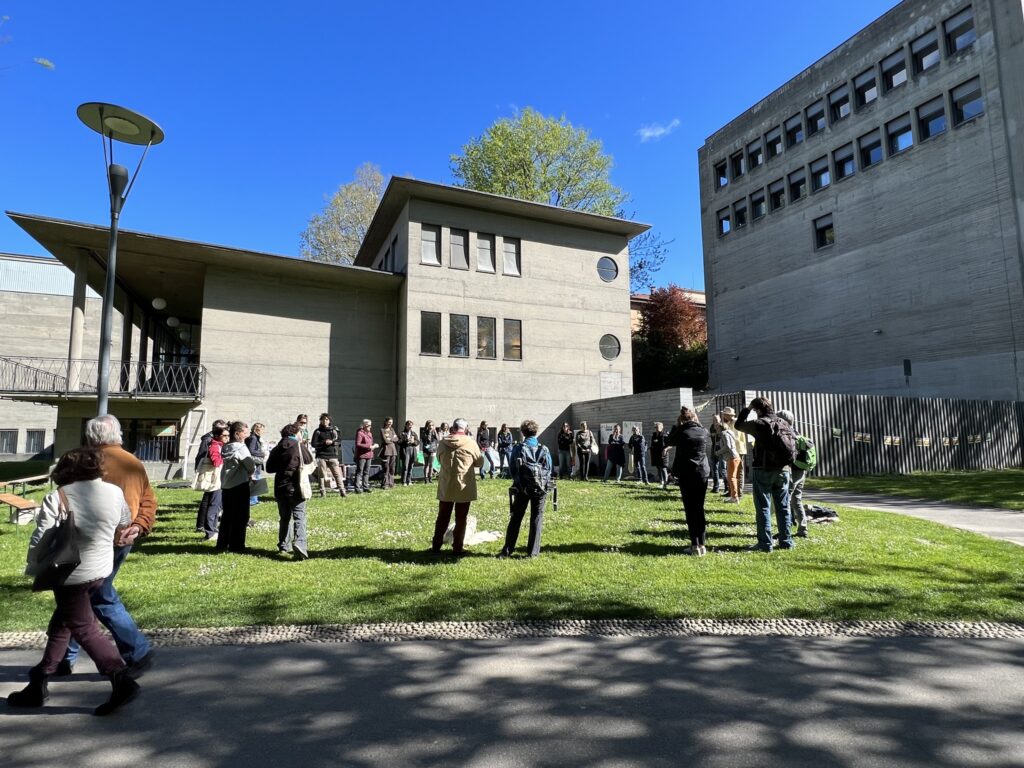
(609, 551)
(994, 488)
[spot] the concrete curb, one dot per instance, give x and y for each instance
(505, 630)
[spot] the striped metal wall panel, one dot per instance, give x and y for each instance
(37, 274)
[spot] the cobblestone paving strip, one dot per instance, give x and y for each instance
(503, 630)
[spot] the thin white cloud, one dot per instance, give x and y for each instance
(656, 131)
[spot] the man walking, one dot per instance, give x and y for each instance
(125, 471)
(774, 450)
(459, 457)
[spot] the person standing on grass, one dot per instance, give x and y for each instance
(122, 469)
(483, 441)
(727, 453)
(235, 475)
(100, 511)
(690, 468)
(771, 481)
(616, 454)
(409, 440)
(718, 479)
(565, 441)
(530, 470)
(797, 475)
(429, 439)
(740, 440)
(212, 503)
(638, 445)
(505, 442)
(326, 442)
(203, 452)
(254, 442)
(459, 457)
(584, 447)
(388, 454)
(659, 454)
(285, 461)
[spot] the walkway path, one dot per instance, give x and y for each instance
(1005, 524)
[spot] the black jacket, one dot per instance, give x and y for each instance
(691, 459)
(565, 440)
(204, 448)
(761, 429)
(326, 451)
(285, 460)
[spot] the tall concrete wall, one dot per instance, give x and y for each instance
(564, 306)
(926, 264)
(647, 407)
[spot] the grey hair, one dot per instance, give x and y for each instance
(460, 424)
(786, 416)
(103, 430)
(367, 422)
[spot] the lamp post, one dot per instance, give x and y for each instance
(115, 123)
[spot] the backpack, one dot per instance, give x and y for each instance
(532, 474)
(780, 446)
(806, 454)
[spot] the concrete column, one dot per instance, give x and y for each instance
(77, 323)
(127, 314)
(143, 357)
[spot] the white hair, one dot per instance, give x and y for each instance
(367, 422)
(460, 424)
(103, 430)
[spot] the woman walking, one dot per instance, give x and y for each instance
(616, 454)
(691, 470)
(235, 475)
(285, 461)
(505, 443)
(409, 440)
(429, 440)
(99, 510)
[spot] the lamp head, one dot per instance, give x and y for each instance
(118, 184)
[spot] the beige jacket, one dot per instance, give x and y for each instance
(459, 457)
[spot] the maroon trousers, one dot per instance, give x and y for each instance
(444, 515)
(73, 617)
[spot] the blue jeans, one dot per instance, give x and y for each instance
(109, 609)
(718, 474)
(608, 470)
(772, 486)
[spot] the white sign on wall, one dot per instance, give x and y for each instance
(611, 384)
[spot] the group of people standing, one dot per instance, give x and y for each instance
(578, 449)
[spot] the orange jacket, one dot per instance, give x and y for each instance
(127, 473)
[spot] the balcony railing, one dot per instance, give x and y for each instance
(55, 376)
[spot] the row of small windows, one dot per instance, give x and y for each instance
(458, 250)
(35, 440)
(891, 73)
(967, 104)
(459, 341)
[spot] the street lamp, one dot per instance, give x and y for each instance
(112, 122)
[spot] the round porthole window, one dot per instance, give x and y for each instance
(610, 347)
(607, 269)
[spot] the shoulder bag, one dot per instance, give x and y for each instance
(58, 550)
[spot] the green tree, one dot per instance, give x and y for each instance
(548, 160)
(335, 234)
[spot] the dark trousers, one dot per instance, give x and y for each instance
(234, 520)
(583, 462)
(73, 618)
(428, 466)
(209, 508)
(444, 516)
(519, 504)
(408, 461)
(387, 477)
(363, 474)
(693, 493)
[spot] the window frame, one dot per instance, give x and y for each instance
(895, 129)
(724, 221)
(436, 229)
(721, 174)
(758, 145)
(921, 50)
(736, 172)
(757, 197)
(517, 252)
(839, 161)
(739, 210)
(796, 185)
(815, 115)
(618, 346)
(773, 138)
(838, 98)
(824, 224)
(925, 118)
(859, 90)
(481, 324)
(876, 136)
(614, 265)
(794, 131)
(12, 436)
(28, 440)
(506, 324)
(777, 187)
(424, 315)
(958, 116)
(489, 239)
(452, 318)
(464, 260)
(952, 36)
(816, 168)
(890, 71)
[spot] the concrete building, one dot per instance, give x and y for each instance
(459, 303)
(862, 223)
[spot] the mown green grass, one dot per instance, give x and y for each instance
(993, 488)
(609, 551)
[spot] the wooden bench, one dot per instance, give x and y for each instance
(24, 482)
(18, 505)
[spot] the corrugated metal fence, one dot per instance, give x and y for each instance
(864, 434)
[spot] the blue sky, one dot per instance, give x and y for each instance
(269, 107)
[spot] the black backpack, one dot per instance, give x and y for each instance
(780, 446)
(531, 470)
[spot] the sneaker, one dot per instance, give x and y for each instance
(731, 501)
(802, 531)
(301, 554)
(758, 548)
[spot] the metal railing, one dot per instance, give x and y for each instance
(63, 377)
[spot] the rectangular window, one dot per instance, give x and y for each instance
(865, 87)
(773, 143)
(776, 195)
(925, 51)
(842, 158)
(458, 249)
(899, 135)
(485, 253)
(797, 185)
(931, 118)
(757, 205)
(794, 131)
(755, 155)
(738, 165)
(894, 71)
(820, 177)
(959, 31)
(458, 335)
(839, 104)
(815, 118)
(430, 333)
(485, 343)
(967, 103)
(721, 174)
(513, 339)
(8, 441)
(870, 149)
(739, 213)
(430, 245)
(824, 232)
(510, 264)
(35, 440)
(724, 222)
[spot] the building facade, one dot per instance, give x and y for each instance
(862, 223)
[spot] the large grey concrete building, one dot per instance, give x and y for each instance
(862, 223)
(460, 303)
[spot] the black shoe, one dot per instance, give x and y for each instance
(32, 695)
(251, 524)
(802, 531)
(503, 555)
(136, 669)
(357, 490)
(301, 554)
(758, 548)
(64, 669)
(125, 690)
